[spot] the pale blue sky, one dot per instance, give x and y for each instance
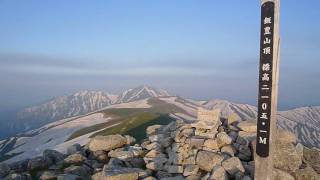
(196, 49)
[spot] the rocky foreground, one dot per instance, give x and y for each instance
(179, 150)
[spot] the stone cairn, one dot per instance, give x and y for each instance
(206, 149)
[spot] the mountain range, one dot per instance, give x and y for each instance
(66, 120)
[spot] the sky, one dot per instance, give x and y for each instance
(197, 49)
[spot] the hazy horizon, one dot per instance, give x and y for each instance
(196, 49)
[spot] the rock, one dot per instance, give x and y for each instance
(16, 176)
(193, 177)
(149, 178)
(223, 139)
(176, 158)
(228, 149)
(130, 140)
(162, 174)
(76, 159)
(156, 137)
(114, 162)
(48, 175)
(155, 166)
(107, 143)
(118, 174)
(166, 142)
(299, 149)
(233, 165)
(20, 166)
(286, 157)
(207, 160)
(54, 156)
(196, 142)
(306, 173)
(187, 132)
(175, 169)
(68, 177)
(281, 175)
(245, 150)
(285, 136)
(190, 169)
(77, 170)
(4, 169)
(178, 177)
(154, 153)
(211, 144)
(153, 129)
(137, 162)
(245, 138)
(154, 145)
(312, 157)
(38, 163)
(73, 149)
(101, 156)
(218, 173)
(248, 126)
(120, 154)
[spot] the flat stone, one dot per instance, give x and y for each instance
(156, 137)
(233, 165)
(118, 174)
(207, 160)
(53, 155)
(48, 175)
(107, 143)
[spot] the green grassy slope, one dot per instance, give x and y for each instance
(133, 121)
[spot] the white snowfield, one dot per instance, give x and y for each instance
(54, 137)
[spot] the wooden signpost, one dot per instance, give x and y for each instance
(268, 89)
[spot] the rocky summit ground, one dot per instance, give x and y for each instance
(180, 150)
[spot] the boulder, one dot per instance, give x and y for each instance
(228, 149)
(196, 142)
(53, 155)
(107, 143)
(101, 156)
(20, 166)
(4, 169)
(75, 159)
(207, 160)
(286, 157)
(120, 154)
(223, 139)
(38, 163)
(153, 129)
(211, 144)
(233, 165)
(248, 126)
